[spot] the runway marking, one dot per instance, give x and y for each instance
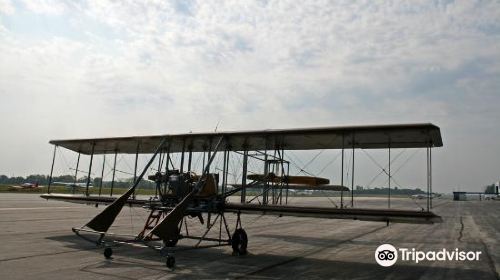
(39, 208)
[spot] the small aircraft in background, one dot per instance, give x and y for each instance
(25, 186)
(492, 196)
(425, 196)
(72, 185)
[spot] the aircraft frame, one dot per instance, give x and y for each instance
(180, 193)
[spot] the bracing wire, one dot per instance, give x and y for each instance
(407, 160)
(398, 169)
(348, 169)
(382, 169)
(301, 170)
(126, 162)
(64, 159)
(330, 163)
(312, 159)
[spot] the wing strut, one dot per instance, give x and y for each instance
(103, 220)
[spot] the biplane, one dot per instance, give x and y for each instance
(180, 192)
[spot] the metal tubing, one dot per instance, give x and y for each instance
(225, 225)
(244, 177)
(209, 154)
(102, 173)
(206, 170)
(282, 155)
(190, 158)
(166, 168)
(224, 172)
(186, 226)
(287, 173)
(90, 170)
(389, 175)
(342, 175)
(430, 177)
(158, 182)
(220, 229)
(352, 174)
(52, 168)
(428, 181)
(135, 166)
(166, 163)
(266, 172)
(182, 156)
(114, 172)
(203, 161)
(227, 171)
(273, 186)
(76, 173)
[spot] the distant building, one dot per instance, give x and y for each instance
(459, 196)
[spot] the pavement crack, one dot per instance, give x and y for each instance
(491, 263)
(460, 233)
(307, 254)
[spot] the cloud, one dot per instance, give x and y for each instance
(6, 7)
(48, 7)
(135, 67)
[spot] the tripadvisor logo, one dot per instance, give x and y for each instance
(387, 255)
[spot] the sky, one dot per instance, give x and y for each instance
(75, 69)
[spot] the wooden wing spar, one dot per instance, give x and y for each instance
(360, 214)
(364, 137)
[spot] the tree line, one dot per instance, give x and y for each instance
(96, 181)
(125, 183)
(394, 191)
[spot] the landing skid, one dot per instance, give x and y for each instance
(238, 240)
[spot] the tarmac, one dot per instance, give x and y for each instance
(37, 243)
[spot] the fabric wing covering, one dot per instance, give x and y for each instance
(364, 137)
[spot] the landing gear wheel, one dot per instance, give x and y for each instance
(170, 263)
(108, 252)
(239, 242)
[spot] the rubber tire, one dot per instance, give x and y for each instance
(170, 263)
(108, 252)
(239, 242)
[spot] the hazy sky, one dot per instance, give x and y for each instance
(71, 69)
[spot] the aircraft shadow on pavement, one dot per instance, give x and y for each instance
(314, 241)
(210, 263)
